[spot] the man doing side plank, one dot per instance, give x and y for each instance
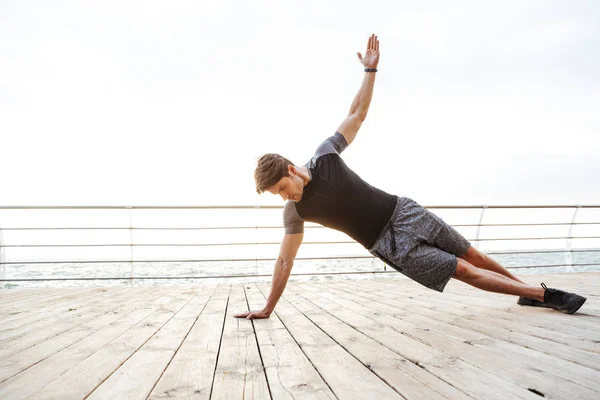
(397, 230)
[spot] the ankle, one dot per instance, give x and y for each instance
(540, 294)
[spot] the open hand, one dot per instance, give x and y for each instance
(371, 58)
(253, 314)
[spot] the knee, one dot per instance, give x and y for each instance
(474, 256)
(464, 270)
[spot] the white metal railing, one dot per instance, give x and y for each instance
(568, 250)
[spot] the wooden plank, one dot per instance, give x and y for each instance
(289, 371)
(12, 365)
(74, 310)
(449, 367)
(506, 316)
(516, 367)
(39, 304)
(34, 312)
(38, 375)
(15, 296)
(43, 299)
(136, 378)
(406, 377)
(12, 294)
(470, 331)
(533, 326)
(347, 377)
(590, 310)
(483, 323)
(190, 373)
(580, 325)
(52, 328)
(239, 372)
(88, 374)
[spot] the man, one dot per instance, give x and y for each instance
(397, 230)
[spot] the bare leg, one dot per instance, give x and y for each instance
(482, 260)
(494, 282)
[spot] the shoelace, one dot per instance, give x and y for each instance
(552, 294)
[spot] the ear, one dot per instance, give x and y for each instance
(292, 169)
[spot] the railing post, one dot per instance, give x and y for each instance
(569, 253)
(479, 226)
(130, 244)
(2, 258)
(256, 219)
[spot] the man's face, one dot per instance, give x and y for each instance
(289, 187)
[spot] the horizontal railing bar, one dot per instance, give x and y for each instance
(163, 229)
(251, 276)
(268, 227)
(141, 207)
(166, 245)
(532, 224)
(181, 261)
(240, 207)
(537, 238)
(542, 251)
(256, 243)
(551, 265)
(274, 259)
(196, 277)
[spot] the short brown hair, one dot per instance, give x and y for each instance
(269, 170)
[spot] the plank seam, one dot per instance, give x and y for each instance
(416, 363)
(220, 342)
(182, 341)
(301, 349)
(259, 353)
(136, 350)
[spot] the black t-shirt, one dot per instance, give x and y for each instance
(336, 197)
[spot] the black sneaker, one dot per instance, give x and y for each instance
(562, 301)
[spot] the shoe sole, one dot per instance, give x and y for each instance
(525, 302)
(529, 302)
(578, 306)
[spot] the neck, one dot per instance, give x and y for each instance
(304, 174)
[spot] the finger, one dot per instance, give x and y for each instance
(369, 42)
(377, 45)
(250, 316)
(359, 56)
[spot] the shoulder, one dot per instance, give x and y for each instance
(334, 145)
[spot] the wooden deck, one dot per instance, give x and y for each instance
(346, 339)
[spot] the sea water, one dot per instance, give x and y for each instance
(256, 271)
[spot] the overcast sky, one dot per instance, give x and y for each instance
(171, 103)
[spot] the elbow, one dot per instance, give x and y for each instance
(360, 115)
(285, 263)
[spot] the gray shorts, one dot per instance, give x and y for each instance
(420, 245)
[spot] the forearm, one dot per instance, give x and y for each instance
(362, 100)
(281, 273)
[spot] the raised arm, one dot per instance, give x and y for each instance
(281, 273)
(360, 106)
